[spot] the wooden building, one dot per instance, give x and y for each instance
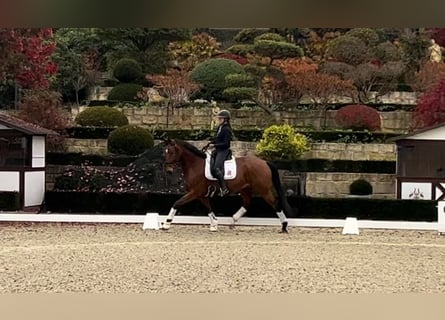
(22, 159)
(421, 164)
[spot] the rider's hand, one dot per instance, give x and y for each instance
(211, 145)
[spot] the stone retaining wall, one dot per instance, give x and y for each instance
(201, 118)
(333, 151)
(336, 185)
(316, 184)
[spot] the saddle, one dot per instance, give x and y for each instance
(229, 167)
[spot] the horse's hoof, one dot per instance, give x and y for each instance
(165, 226)
(284, 227)
(213, 228)
(232, 226)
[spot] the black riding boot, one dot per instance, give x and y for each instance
(220, 176)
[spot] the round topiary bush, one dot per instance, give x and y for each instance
(281, 142)
(358, 117)
(360, 187)
(125, 92)
(211, 74)
(129, 140)
(101, 117)
(127, 70)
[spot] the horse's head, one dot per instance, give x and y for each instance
(172, 154)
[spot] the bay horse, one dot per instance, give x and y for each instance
(254, 176)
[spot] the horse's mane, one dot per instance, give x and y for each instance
(191, 148)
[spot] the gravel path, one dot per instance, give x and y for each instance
(123, 258)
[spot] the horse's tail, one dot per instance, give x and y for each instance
(282, 200)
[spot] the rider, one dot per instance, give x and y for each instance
(222, 148)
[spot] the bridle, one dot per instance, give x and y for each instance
(172, 162)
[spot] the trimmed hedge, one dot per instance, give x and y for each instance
(89, 132)
(253, 135)
(211, 75)
(78, 158)
(300, 165)
(125, 92)
(9, 201)
(127, 70)
(303, 207)
(350, 166)
(129, 140)
(101, 117)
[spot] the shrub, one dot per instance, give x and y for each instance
(240, 80)
(212, 74)
(231, 56)
(239, 93)
(125, 92)
(127, 70)
(129, 140)
(369, 36)
(348, 49)
(358, 117)
(101, 117)
(280, 142)
(269, 36)
(360, 187)
(241, 49)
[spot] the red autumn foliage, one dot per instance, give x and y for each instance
(26, 56)
(430, 110)
(428, 75)
(358, 117)
(175, 85)
(44, 108)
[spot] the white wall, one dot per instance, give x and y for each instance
(34, 188)
(38, 151)
(9, 181)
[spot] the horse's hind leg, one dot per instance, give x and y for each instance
(213, 219)
(270, 199)
(246, 195)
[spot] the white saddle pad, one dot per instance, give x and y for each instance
(229, 168)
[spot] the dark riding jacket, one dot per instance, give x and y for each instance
(223, 137)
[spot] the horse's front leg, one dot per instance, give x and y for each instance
(213, 220)
(183, 200)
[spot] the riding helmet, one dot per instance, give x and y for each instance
(223, 114)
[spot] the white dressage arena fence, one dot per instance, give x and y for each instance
(245, 221)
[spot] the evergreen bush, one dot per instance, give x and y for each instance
(101, 117)
(125, 92)
(129, 140)
(211, 74)
(127, 70)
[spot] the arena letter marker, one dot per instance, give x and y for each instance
(351, 226)
(151, 221)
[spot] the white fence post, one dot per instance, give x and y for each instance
(441, 216)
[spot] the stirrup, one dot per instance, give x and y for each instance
(210, 191)
(223, 192)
